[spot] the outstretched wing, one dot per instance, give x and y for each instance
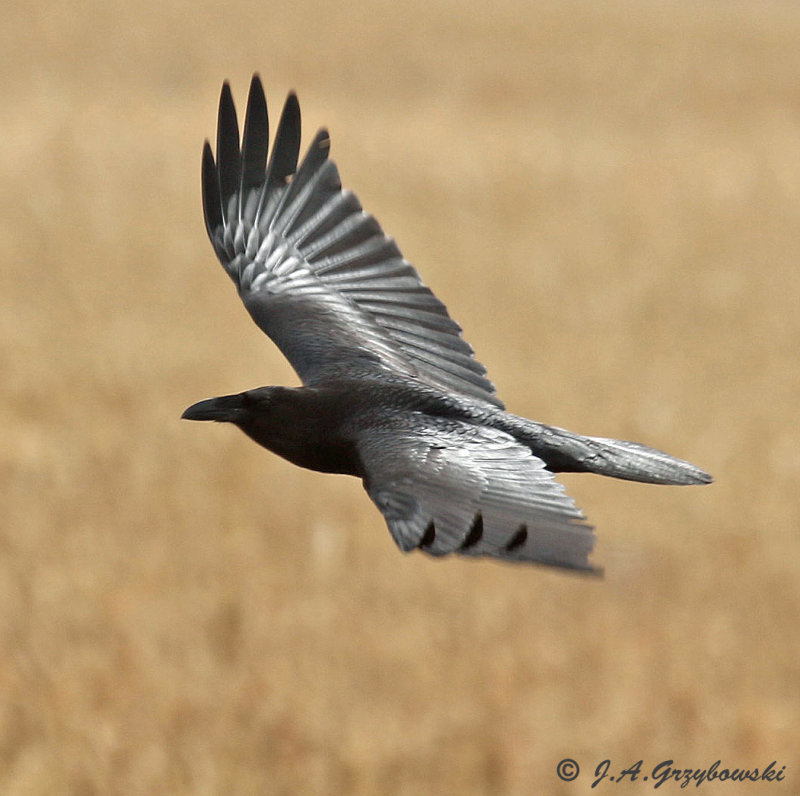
(445, 486)
(315, 271)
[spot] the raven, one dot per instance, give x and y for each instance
(391, 391)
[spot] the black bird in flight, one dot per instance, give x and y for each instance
(392, 392)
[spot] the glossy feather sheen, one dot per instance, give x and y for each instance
(320, 231)
(456, 476)
(393, 393)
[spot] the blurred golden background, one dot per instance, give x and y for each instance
(606, 195)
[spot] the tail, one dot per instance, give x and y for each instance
(564, 451)
(635, 462)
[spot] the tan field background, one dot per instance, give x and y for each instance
(607, 196)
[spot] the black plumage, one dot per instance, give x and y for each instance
(392, 392)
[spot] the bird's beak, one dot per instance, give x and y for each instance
(226, 408)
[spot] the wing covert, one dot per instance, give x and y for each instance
(315, 271)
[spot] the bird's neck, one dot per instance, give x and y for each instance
(305, 426)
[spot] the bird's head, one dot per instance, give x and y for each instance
(281, 419)
(238, 409)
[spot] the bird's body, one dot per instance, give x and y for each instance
(392, 393)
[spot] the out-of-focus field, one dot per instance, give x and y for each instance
(607, 196)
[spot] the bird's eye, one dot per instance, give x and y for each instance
(252, 399)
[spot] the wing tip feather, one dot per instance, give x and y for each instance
(255, 142)
(212, 208)
(286, 147)
(228, 152)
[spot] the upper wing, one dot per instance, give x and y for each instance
(448, 487)
(314, 270)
